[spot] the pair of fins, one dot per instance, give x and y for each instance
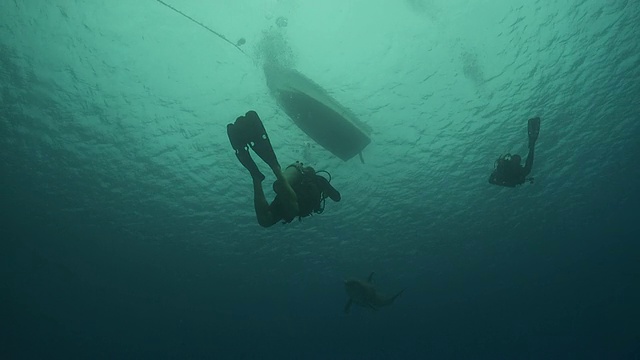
(248, 132)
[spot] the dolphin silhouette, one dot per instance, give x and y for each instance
(364, 293)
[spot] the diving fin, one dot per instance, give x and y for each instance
(533, 130)
(258, 139)
(240, 145)
(248, 132)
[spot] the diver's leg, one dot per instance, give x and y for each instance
(533, 132)
(292, 174)
(529, 163)
(263, 212)
(258, 138)
(240, 146)
(285, 191)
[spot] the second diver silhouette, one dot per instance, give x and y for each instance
(508, 171)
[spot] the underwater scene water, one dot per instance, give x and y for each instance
(127, 223)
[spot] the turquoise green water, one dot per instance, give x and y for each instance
(129, 224)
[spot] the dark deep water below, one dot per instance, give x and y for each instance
(126, 227)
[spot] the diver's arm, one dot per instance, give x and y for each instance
(328, 190)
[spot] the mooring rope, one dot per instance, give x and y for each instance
(202, 25)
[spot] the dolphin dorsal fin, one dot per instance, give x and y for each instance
(371, 276)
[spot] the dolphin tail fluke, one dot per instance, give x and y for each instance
(371, 276)
(390, 300)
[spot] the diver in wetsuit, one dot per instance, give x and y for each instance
(300, 190)
(508, 171)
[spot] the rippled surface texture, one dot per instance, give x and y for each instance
(127, 223)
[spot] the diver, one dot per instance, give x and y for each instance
(508, 171)
(300, 191)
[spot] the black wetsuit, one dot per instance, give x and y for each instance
(509, 172)
(311, 191)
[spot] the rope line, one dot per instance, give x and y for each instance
(202, 25)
